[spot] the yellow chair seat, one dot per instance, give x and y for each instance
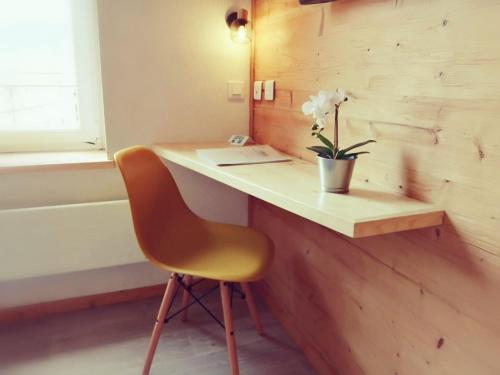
(217, 251)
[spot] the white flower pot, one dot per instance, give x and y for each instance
(335, 175)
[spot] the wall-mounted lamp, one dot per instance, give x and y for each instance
(238, 23)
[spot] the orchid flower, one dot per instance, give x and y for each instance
(319, 107)
(340, 96)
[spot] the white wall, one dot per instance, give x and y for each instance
(165, 65)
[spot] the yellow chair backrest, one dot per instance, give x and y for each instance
(159, 213)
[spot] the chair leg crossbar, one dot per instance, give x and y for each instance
(227, 290)
(197, 299)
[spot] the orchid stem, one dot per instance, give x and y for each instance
(336, 133)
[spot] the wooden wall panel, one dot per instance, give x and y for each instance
(424, 77)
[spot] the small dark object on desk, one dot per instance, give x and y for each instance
(308, 2)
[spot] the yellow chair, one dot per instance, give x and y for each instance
(175, 239)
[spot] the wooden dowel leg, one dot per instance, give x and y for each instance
(160, 321)
(228, 323)
(252, 307)
(185, 297)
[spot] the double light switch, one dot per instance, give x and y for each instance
(266, 86)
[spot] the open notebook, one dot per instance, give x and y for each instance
(241, 155)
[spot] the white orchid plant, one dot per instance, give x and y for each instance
(320, 108)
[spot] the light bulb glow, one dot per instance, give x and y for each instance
(241, 35)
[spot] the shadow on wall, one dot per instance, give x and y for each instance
(455, 250)
(358, 306)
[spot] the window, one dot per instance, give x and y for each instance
(50, 88)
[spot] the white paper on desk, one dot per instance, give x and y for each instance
(241, 155)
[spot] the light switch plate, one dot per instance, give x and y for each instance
(235, 90)
(257, 90)
(269, 90)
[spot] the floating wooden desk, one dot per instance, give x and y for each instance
(294, 186)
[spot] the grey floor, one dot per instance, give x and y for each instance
(114, 339)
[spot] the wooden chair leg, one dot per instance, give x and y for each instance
(252, 307)
(228, 323)
(185, 297)
(160, 321)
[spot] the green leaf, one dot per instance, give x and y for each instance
(325, 141)
(357, 145)
(322, 151)
(343, 152)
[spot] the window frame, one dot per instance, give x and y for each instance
(91, 135)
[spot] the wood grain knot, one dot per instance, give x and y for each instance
(440, 343)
